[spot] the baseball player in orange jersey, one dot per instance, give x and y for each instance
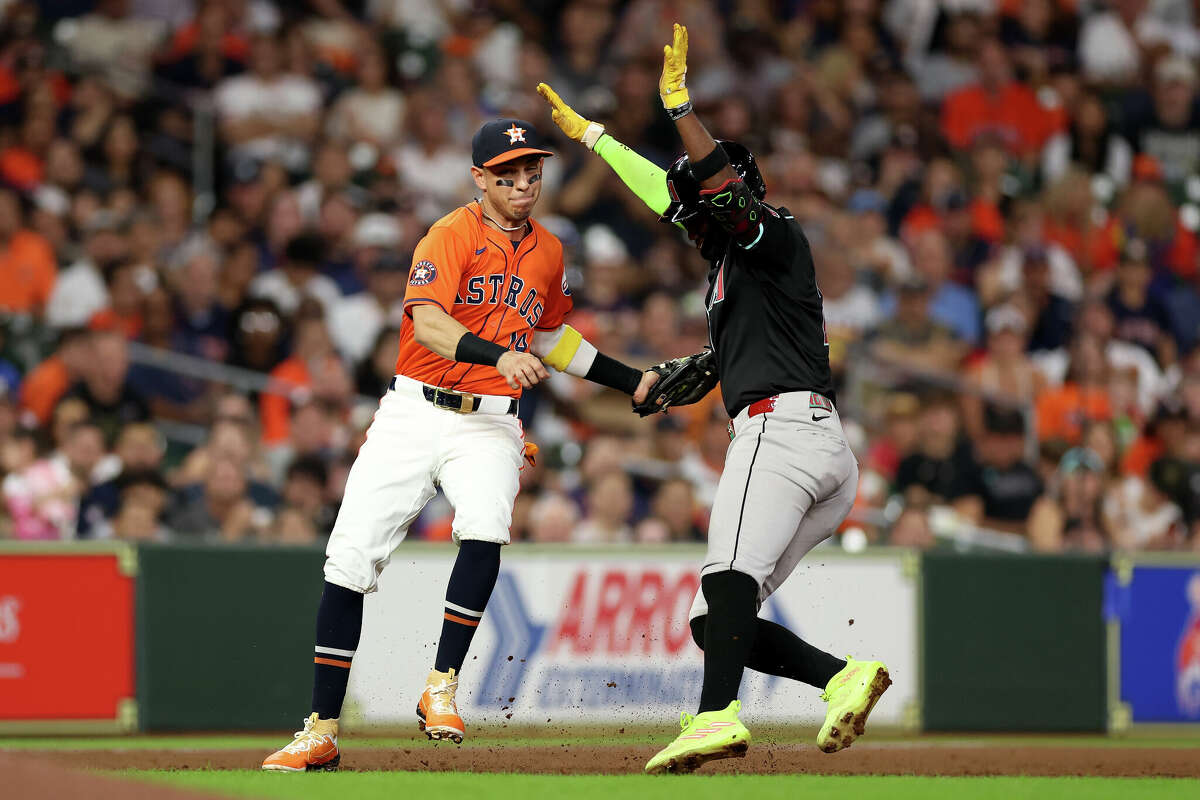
(484, 316)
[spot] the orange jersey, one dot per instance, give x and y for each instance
(473, 273)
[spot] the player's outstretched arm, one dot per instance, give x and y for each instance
(436, 330)
(643, 177)
(567, 351)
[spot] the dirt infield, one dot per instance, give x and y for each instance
(766, 759)
(35, 779)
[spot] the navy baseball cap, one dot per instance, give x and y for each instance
(505, 139)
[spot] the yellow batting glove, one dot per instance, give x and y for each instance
(672, 86)
(565, 117)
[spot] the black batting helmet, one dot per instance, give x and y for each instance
(685, 189)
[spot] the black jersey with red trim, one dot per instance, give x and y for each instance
(765, 318)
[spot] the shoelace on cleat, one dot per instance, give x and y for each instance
(303, 741)
(826, 696)
(441, 698)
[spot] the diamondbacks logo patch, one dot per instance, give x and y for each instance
(423, 274)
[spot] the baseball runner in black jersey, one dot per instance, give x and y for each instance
(790, 479)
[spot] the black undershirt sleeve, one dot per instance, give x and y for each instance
(613, 374)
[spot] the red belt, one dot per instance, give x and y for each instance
(755, 408)
(762, 406)
(768, 404)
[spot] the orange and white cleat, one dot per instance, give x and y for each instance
(437, 713)
(314, 749)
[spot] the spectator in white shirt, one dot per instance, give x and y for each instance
(118, 43)
(372, 111)
(298, 277)
(268, 113)
(851, 309)
(80, 291)
(1112, 43)
(434, 171)
(355, 321)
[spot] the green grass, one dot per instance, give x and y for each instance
(373, 785)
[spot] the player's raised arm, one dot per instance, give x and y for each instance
(643, 177)
(724, 193)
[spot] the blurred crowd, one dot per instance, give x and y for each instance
(1002, 198)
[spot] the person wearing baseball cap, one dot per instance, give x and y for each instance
(483, 318)
(503, 140)
(506, 158)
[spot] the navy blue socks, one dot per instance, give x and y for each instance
(471, 583)
(339, 624)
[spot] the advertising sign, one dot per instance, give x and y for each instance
(66, 637)
(1158, 608)
(604, 638)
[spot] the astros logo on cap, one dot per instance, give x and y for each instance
(515, 134)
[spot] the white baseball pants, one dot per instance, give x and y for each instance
(789, 481)
(413, 447)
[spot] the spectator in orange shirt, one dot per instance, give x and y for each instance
(1146, 212)
(48, 381)
(1083, 397)
(1169, 423)
(313, 370)
(998, 105)
(27, 264)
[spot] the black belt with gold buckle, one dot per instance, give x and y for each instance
(459, 402)
(462, 402)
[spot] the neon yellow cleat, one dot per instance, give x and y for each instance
(705, 737)
(851, 695)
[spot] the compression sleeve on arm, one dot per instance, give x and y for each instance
(567, 351)
(643, 177)
(472, 349)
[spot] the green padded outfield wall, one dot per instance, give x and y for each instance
(1013, 643)
(225, 635)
